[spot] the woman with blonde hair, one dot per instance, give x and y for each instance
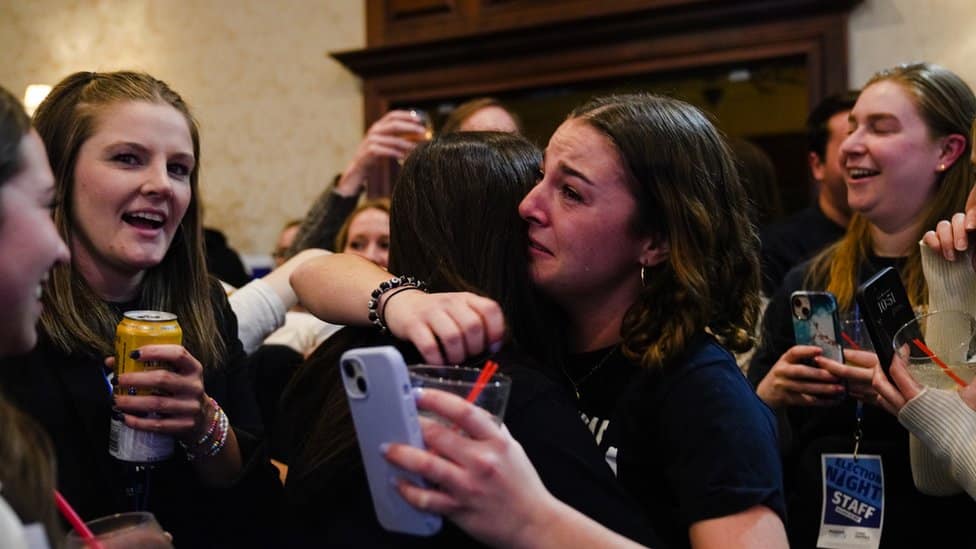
(905, 165)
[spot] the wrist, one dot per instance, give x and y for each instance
(541, 524)
(351, 183)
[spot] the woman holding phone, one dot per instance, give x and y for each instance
(125, 155)
(637, 231)
(905, 165)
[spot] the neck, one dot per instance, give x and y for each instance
(840, 216)
(595, 319)
(109, 284)
(894, 242)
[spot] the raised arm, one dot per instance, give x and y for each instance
(445, 327)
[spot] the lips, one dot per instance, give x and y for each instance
(857, 174)
(145, 219)
(533, 245)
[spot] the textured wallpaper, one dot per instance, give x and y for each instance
(278, 116)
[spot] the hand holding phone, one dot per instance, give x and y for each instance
(815, 322)
(383, 411)
(885, 307)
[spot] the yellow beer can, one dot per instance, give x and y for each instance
(137, 329)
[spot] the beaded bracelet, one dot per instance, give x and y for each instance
(213, 424)
(213, 442)
(403, 283)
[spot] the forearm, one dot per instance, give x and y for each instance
(947, 426)
(559, 525)
(279, 279)
(336, 288)
(224, 468)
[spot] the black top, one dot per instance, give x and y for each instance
(815, 431)
(331, 506)
(792, 241)
(69, 396)
(324, 219)
(690, 442)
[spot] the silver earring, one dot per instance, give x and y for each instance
(643, 278)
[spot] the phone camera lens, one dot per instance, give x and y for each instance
(348, 369)
(361, 384)
(797, 302)
(806, 311)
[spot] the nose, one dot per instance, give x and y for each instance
(852, 145)
(377, 255)
(158, 180)
(530, 208)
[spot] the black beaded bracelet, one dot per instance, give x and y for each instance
(402, 282)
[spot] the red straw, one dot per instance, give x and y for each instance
(483, 377)
(948, 371)
(79, 525)
(850, 341)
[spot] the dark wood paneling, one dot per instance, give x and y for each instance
(496, 46)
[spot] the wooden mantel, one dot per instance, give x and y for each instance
(423, 50)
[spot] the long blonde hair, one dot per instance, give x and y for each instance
(947, 106)
(75, 318)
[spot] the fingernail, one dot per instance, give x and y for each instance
(384, 448)
(134, 355)
(114, 380)
(418, 392)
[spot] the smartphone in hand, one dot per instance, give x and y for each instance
(816, 322)
(884, 304)
(383, 411)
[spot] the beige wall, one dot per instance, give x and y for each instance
(887, 32)
(278, 117)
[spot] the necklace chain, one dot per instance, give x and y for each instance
(577, 383)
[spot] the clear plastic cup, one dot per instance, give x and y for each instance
(136, 530)
(948, 335)
(459, 380)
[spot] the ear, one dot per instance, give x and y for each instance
(951, 148)
(656, 251)
(816, 166)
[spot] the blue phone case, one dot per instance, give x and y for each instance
(383, 411)
(815, 322)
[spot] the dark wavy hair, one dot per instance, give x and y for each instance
(454, 223)
(76, 319)
(688, 193)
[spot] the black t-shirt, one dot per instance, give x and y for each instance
(331, 505)
(813, 431)
(792, 241)
(690, 443)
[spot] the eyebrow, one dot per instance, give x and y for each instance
(569, 170)
(873, 117)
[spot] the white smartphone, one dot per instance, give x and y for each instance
(383, 411)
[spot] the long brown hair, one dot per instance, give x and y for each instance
(75, 317)
(947, 105)
(454, 223)
(688, 193)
